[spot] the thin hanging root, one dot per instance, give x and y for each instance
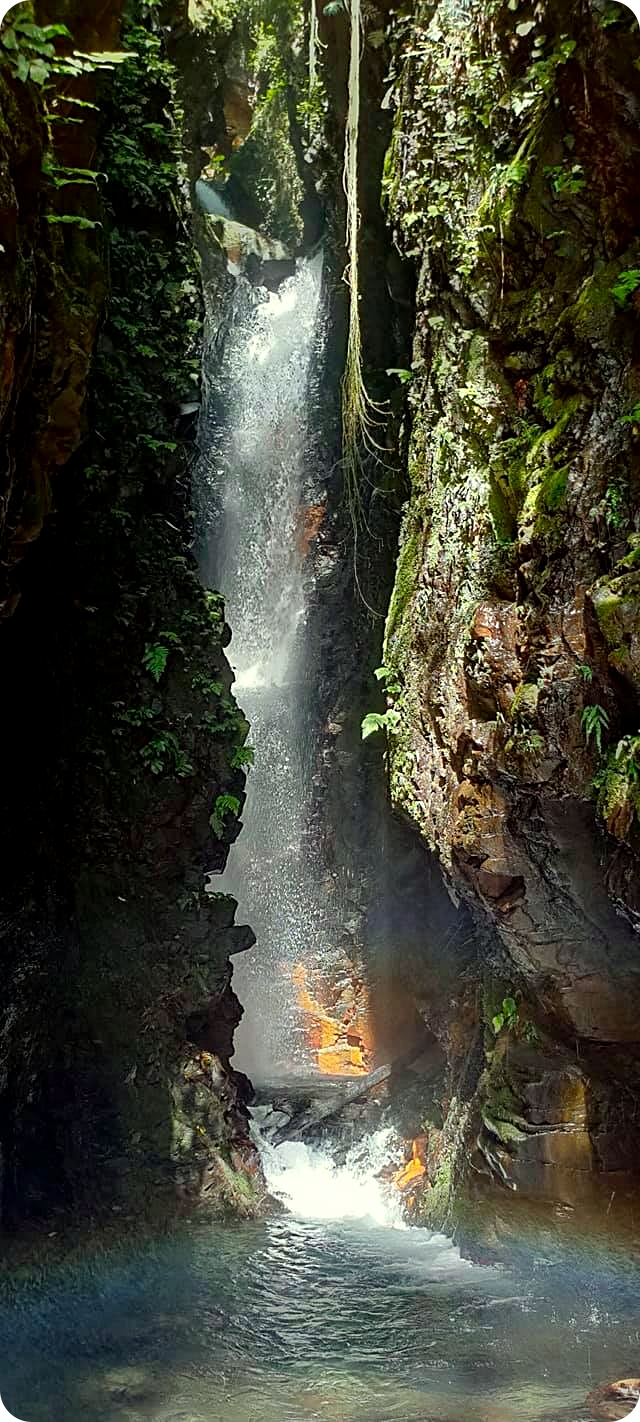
(314, 40)
(360, 415)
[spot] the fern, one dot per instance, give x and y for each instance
(594, 721)
(628, 282)
(155, 659)
(242, 755)
(225, 805)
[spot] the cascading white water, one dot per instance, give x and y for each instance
(313, 1185)
(259, 472)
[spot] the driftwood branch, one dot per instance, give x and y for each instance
(323, 1110)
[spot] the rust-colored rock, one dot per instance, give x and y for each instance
(614, 1401)
(337, 1024)
(309, 520)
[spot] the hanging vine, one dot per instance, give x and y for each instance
(358, 410)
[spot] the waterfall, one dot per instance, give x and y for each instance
(260, 475)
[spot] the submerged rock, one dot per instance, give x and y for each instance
(613, 1400)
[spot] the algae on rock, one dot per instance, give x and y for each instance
(514, 613)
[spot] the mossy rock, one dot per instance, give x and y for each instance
(407, 573)
(553, 489)
(435, 1206)
(525, 701)
(594, 315)
(504, 1130)
(618, 797)
(616, 603)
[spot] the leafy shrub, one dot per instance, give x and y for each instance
(225, 805)
(163, 755)
(380, 721)
(243, 755)
(506, 1017)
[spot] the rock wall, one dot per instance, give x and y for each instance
(394, 920)
(121, 781)
(511, 638)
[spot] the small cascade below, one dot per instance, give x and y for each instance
(261, 475)
(312, 1183)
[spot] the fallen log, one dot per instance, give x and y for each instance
(323, 1110)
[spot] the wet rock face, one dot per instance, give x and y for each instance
(118, 1015)
(513, 623)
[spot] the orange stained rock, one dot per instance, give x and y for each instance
(413, 1169)
(305, 1000)
(341, 1045)
(322, 1032)
(342, 1060)
(238, 110)
(614, 1399)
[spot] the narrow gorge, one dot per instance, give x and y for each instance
(320, 523)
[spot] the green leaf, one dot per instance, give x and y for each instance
(155, 659)
(403, 375)
(71, 182)
(243, 755)
(80, 103)
(39, 72)
(71, 219)
(225, 805)
(26, 27)
(372, 723)
(52, 169)
(105, 56)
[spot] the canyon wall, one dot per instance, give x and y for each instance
(122, 776)
(482, 848)
(511, 641)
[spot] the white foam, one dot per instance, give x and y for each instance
(312, 1185)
